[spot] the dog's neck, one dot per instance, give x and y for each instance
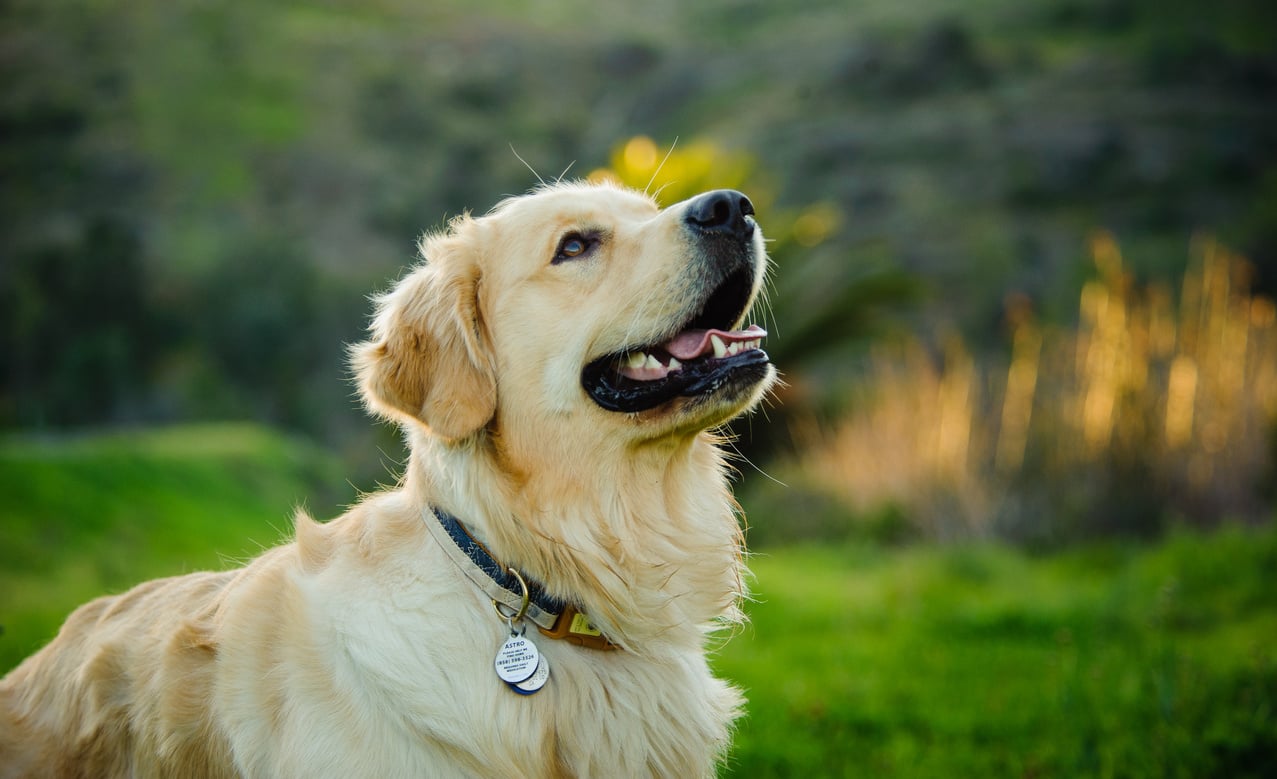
(655, 563)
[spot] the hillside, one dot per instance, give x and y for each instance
(95, 514)
(197, 198)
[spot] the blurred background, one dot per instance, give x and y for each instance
(1013, 510)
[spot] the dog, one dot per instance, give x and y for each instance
(536, 595)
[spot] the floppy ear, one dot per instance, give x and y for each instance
(427, 361)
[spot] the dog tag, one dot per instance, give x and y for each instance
(517, 659)
(534, 682)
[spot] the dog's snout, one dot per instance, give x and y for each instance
(723, 211)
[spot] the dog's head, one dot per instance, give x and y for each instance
(577, 302)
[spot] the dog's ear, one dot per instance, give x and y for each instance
(427, 361)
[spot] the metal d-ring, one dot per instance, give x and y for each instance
(523, 608)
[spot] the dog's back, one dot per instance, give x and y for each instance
(122, 690)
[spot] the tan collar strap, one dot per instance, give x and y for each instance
(574, 627)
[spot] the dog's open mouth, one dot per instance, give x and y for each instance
(699, 358)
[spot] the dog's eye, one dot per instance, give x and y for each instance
(572, 246)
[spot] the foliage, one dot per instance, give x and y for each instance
(196, 199)
(74, 317)
(968, 148)
(1148, 412)
(680, 172)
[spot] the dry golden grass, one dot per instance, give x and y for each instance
(1179, 396)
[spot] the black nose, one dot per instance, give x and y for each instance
(723, 211)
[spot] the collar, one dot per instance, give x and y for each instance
(554, 618)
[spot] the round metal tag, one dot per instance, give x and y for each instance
(534, 682)
(517, 659)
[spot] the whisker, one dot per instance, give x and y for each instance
(730, 442)
(657, 195)
(657, 172)
(526, 165)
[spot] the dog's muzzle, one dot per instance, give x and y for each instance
(707, 353)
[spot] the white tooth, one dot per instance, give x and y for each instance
(652, 362)
(635, 360)
(734, 348)
(719, 349)
(752, 344)
(675, 365)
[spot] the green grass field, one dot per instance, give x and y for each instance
(92, 515)
(984, 662)
(979, 661)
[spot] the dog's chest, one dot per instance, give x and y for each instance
(434, 683)
(395, 674)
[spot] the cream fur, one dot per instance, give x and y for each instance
(358, 649)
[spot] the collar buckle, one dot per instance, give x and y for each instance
(575, 628)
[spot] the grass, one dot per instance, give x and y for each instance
(1150, 408)
(96, 514)
(967, 661)
(984, 661)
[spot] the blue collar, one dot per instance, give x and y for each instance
(553, 617)
(497, 573)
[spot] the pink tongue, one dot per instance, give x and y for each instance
(691, 344)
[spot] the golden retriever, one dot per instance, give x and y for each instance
(536, 595)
